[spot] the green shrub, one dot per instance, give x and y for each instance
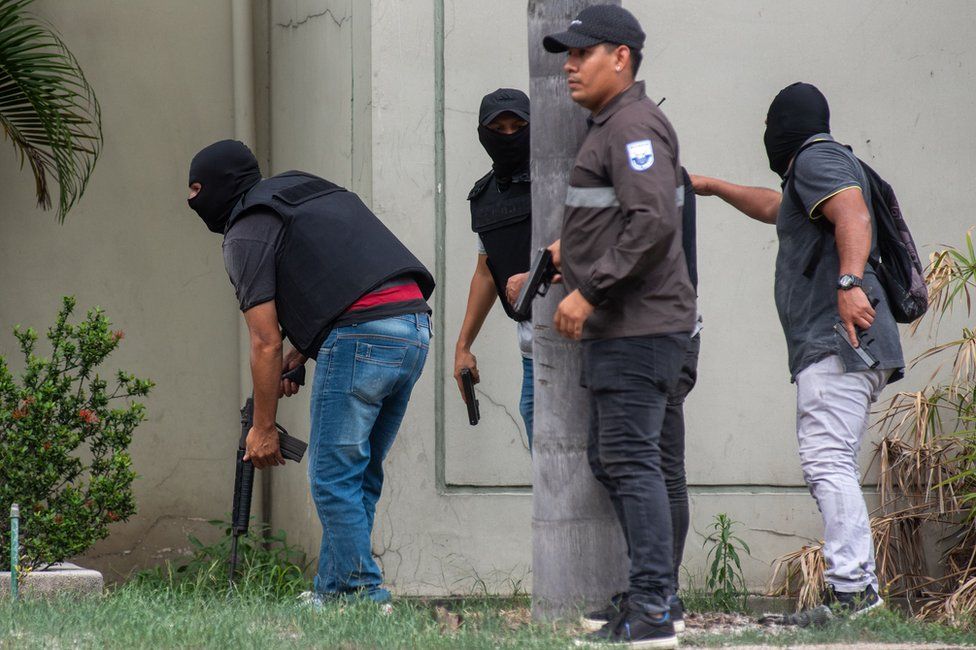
(63, 440)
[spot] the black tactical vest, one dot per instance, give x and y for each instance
(503, 221)
(333, 251)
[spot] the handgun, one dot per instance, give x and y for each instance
(291, 449)
(467, 382)
(862, 352)
(540, 277)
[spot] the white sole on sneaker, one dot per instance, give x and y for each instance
(876, 605)
(592, 624)
(668, 643)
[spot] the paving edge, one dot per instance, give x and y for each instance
(57, 580)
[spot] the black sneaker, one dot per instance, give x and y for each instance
(835, 603)
(852, 604)
(678, 614)
(596, 620)
(635, 628)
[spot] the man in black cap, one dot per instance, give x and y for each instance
(630, 299)
(310, 261)
(823, 278)
(501, 205)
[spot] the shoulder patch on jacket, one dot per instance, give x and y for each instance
(480, 185)
(640, 154)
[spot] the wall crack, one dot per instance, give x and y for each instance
(293, 24)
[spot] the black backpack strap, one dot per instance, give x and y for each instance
(789, 185)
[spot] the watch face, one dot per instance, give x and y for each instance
(846, 281)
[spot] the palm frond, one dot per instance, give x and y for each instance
(48, 110)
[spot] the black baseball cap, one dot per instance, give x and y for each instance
(598, 24)
(503, 100)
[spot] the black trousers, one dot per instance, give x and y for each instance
(629, 381)
(673, 453)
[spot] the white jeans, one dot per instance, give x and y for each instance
(832, 409)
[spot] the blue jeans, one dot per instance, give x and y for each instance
(527, 402)
(364, 374)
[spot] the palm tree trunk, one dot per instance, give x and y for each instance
(578, 552)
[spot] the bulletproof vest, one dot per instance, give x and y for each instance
(503, 221)
(333, 251)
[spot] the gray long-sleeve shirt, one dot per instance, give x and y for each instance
(621, 233)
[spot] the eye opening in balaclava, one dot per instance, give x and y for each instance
(797, 113)
(509, 153)
(226, 170)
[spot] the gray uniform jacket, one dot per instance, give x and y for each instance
(621, 233)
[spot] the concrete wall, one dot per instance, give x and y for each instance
(457, 506)
(162, 72)
(355, 91)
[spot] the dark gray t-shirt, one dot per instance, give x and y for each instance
(808, 266)
(249, 256)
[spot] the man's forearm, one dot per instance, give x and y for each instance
(265, 375)
(853, 244)
(759, 203)
(481, 296)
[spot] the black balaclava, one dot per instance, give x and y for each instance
(226, 170)
(509, 152)
(798, 112)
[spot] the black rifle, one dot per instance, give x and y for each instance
(474, 413)
(291, 449)
(537, 284)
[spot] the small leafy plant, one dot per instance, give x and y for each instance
(270, 566)
(63, 440)
(725, 579)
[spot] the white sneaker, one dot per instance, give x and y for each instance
(312, 600)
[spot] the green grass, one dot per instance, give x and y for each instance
(141, 617)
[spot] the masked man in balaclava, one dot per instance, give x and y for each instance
(501, 205)
(310, 262)
(826, 235)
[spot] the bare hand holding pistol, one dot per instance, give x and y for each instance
(463, 358)
(855, 311)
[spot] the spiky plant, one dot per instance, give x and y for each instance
(48, 110)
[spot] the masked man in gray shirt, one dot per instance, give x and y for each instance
(823, 278)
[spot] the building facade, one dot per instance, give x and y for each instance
(382, 96)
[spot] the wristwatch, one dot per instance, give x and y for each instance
(848, 281)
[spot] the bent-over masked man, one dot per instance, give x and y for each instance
(822, 278)
(501, 211)
(308, 257)
(629, 299)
